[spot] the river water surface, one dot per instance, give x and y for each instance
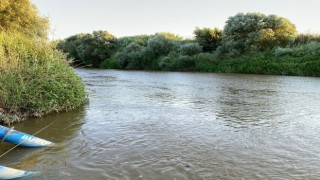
(160, 125)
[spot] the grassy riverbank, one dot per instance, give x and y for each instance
(35, 80)
(302, 60)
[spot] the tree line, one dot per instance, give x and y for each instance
(244, 35)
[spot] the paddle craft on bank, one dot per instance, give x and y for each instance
(10, 173)
(22, 139)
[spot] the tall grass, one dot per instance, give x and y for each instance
(35, 79)
(306, 38)
(302, 60)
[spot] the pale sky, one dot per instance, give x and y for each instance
(135, 17)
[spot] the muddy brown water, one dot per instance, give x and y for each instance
(166, 125)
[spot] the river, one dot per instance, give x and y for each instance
(170, 125)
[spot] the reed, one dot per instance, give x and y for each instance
(35, 79)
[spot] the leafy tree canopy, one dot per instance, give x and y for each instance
(170, 36)
(91, 49)
(22, 16)
(257, 32)
(96, 47)
(208, 38)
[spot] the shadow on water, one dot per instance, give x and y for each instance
(65, 126)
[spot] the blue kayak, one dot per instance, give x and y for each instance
(22, 139)
(10, 173)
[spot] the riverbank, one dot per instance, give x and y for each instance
(161, 52)
(302, 60)
(35, 80)
(273, 46)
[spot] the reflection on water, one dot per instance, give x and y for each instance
(158, 125)
(244, 108)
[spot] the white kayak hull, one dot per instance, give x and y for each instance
(10, 173)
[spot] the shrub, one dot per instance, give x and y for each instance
(309, 49)
(139, 39)
(111, 63)
(206, 62)
(70, 45)
(35, 78)
(161, 46)
(184, 63)
(306, 38)
(130, 57)
(190, 49)
(208, 38)
(254, 32)
(22, 17)
(96, 47)
(170, 36)
(166, 62)
(90, 49)
(283, 51)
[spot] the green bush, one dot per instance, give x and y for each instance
(253, 32)
(283, 51)
(129, 57)
(306, 38)
(190, 49)
(70, 45)
(139, 39)
(175, 62)
(90, 49)
(184, 63)
(208, 38)
(162, 46)
(35, 78)
(96, 47)
(166, 62)
(111, 63)
(171, 36)
(311, 48)
(206, 62)
(23, 17)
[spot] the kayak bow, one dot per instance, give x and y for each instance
(10, 173)
(22, 139)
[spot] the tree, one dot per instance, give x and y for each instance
(190, 49)
(91, 49)
(22, 16)
(161, 45)
(138, 39)
(70, 45)
(130, 57)
(208, 38)
(256, 32)
(170, 36)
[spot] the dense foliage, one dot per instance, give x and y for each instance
(35, 77)
(90, 49)
(249, 43)
(22, 17)
(254, 32)
(208, 38)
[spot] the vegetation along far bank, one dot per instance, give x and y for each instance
(252, 43)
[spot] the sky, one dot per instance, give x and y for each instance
(136, 17)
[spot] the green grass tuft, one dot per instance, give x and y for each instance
(35, 80)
